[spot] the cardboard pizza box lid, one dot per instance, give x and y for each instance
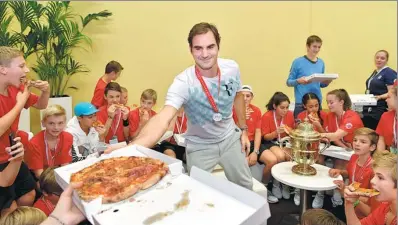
(319, 77)
(211, 200)
(63, 174)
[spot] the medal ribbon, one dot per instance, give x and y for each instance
(206, 90)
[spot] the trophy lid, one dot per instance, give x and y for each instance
(305, 131)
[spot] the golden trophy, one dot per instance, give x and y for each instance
(305, 143)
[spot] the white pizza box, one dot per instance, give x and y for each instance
(319, 77)
(211, 200)
(363, 99)
(63, 174)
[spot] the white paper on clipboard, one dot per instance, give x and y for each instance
(319, 77)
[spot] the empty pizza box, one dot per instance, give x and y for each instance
(320, 77)
(200, 198)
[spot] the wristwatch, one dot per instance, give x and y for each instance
(244, 128)
(257, 152)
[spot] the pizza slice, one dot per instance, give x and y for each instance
(97, 124)
(355, 187)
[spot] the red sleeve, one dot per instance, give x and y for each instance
(31, 100)
(265, 128)
(134, 121)
(98, 98)
(39, 204)
(376, 217)
(351, 122)
(382, 126)
(34, 157)
(257, 118)
(66, 154)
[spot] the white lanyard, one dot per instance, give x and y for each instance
(367, 163)
(373, 76)
(118, 122)
(179, 127)
(276, 125)
(47, 151)
(337, 125)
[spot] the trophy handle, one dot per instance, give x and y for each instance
(283, 140)
(327, 145)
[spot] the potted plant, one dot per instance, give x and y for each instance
(49, 31)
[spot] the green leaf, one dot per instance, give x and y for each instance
(23, 12)
(95, 16)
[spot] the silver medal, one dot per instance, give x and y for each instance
(217, 117)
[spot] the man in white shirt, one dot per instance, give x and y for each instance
(86, 138)
(207, 91)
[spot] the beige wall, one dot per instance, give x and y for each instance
(149, 40)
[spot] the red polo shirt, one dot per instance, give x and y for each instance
(253, 120)
(349, 123)
(385, 127)
(6, 104)
(268, 123)
(134, 119)
(304, 114)
(37, 157)
(98, 99)
(116, 128)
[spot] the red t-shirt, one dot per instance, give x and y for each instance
(378, 216)
(134, 119)
(349, 123)
(6, 105)
(268, 123)
(47, 207)
(253, 120)
(385, 127)
(36, 158)
(98, 99)
(116, 128)
(324, 116)
(362, 176)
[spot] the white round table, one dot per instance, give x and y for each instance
(321, 181)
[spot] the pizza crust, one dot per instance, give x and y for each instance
(363, 191)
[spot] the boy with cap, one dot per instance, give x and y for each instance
(88, 134)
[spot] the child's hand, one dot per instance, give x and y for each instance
(340, 184)
(252, 158)
(334, 173)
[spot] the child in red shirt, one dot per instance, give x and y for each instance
(253, 122)
(112, 72)
(124, 98)
(385, 182)
(274, 124)
(114, 116)
(51, 192)
(17, 184)
(50, 147)
(359, 167)
(141, 115)
(387, 127)
(313, 112)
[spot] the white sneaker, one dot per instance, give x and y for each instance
(318, 200)
(285, 191)
(276, 189)
(271, 198)
(337, 199)
(296, 196)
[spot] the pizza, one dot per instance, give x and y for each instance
(355, 186)
(97, 124)
(118, 105)
(119, 178)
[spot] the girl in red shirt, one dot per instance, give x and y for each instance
(50, 147)
(313, 112)
(385, 182)
(387, 127)
(274, 124)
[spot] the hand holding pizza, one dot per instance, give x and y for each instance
(112, 110)
(144, 115)
(65, 210)
(349, 194)
(125, 112)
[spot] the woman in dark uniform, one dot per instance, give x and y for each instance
(378, 84)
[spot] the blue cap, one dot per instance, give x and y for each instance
(85, 109)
